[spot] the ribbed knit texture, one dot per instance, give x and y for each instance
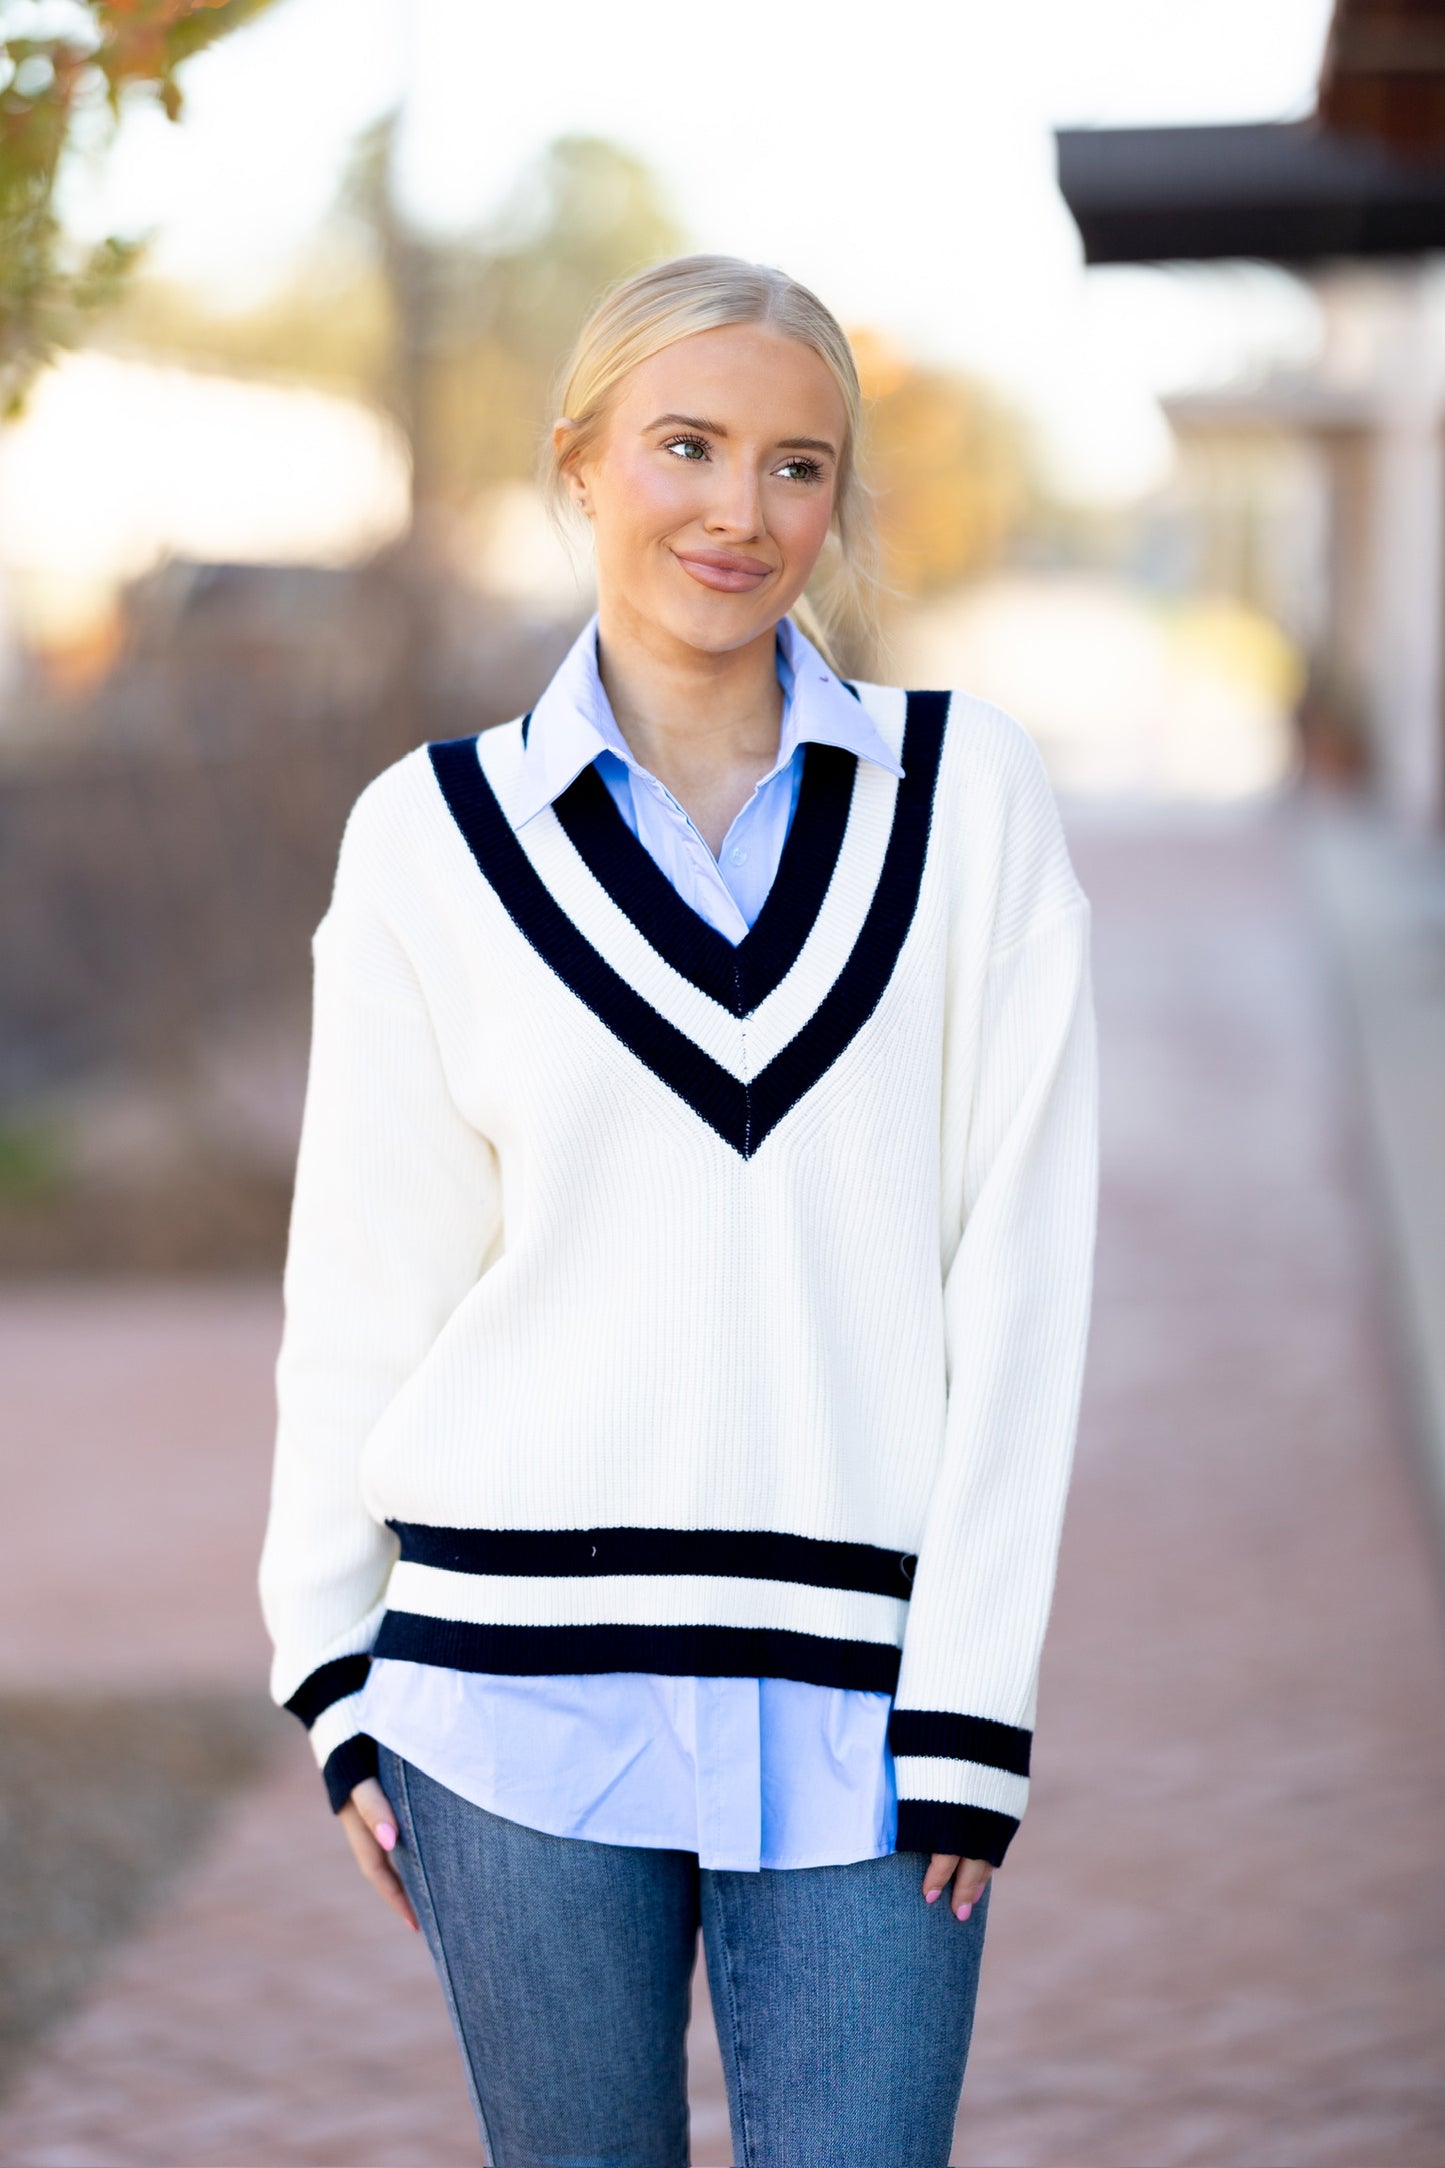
(604, 1445)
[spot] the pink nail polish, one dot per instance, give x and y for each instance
(963, 1911)
(931, 1896)
(385, 1836)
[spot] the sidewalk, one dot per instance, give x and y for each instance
(1220, 1935)
(1383, 895)
(1225, 1940)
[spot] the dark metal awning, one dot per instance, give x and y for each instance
(1286, 192)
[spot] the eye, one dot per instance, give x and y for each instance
(800, 469)
(684, 447)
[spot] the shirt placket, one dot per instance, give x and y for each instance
(728, 1765)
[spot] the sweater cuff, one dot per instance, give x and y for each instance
(936, 1825)
(328, 1702)
(354, 1759)
(963, 1781)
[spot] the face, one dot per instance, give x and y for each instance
(712, 486)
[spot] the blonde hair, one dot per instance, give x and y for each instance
(673, 300)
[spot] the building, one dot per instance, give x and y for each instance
(1353, 200)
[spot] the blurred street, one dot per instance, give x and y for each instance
(1220, 1936)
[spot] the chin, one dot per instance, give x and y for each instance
(716, 623)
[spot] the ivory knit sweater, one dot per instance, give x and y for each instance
(527, 1422)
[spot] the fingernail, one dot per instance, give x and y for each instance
(963, 1912)
(931, 1896)
(385, 1836)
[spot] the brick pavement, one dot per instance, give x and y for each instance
(267, 2014)
(1220, 1938)
(133, 1456)
(1222, 1934)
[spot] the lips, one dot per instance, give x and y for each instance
(724, 570)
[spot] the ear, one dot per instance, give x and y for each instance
(563, 444)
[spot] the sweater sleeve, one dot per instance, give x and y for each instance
(1017, 1294)
(396, 1202)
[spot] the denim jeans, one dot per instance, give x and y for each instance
(843, 2002)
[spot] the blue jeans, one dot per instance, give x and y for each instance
(844, 2003)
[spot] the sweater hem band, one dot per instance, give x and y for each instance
(716, 1652)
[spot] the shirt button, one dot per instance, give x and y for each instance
(737, 856)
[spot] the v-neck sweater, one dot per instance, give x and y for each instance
(744, 1773)
(526, 1422)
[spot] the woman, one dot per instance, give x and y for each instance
(686, 1302)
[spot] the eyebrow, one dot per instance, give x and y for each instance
(716, 429)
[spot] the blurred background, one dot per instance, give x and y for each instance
(278, 364)
(1150, 309)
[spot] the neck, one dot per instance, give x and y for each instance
(690, 717)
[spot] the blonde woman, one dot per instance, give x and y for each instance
(686, 1301)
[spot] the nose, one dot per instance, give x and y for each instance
(736, 508)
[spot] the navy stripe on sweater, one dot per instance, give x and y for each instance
(738, 976)
(938, 1825)
(744, 1114)
(710, 1652)
(947, 1737)
(735, 1553)
(327, 1684)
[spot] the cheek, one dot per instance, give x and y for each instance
(648, 498)
(800, 522)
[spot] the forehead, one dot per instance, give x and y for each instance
(743, 376)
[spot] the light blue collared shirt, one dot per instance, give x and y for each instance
(573, 724)
(747, 1773)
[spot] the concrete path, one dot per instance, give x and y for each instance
(1220, 1937)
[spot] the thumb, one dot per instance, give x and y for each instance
(372, 1804)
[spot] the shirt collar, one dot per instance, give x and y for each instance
(573, 720)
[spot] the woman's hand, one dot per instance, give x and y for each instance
(370, 1829)
(968, 1877)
